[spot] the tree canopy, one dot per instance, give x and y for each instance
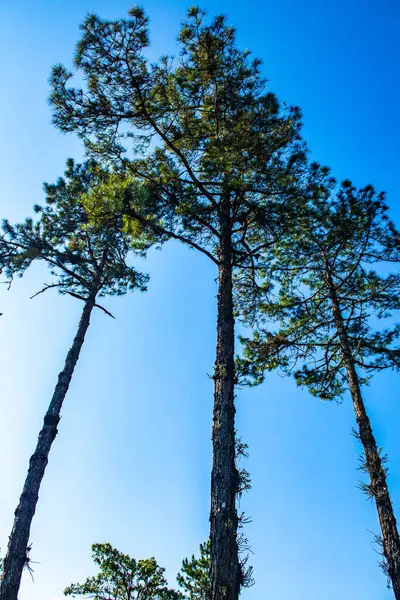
(344, 241)
(121, 577)
(81, 254)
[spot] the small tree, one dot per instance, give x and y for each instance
(194, 576)
(217, 155)
(121, 577)
(327, 314)
(87, 262)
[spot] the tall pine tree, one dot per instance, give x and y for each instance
(217, 156)
(328, 312)
(88, 262)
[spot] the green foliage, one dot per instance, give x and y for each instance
(85, 257)
(212, 148)
(121, 577)
(194, 576)
(331, 250)
(107, 201)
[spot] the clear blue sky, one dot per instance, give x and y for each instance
(132, 460)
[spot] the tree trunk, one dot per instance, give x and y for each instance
(225, 569)
(17, 551)
(377, 474)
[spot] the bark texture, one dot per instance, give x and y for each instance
(225, 568)
(17, 550)
(376, 471)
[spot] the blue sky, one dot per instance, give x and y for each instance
(132, 459)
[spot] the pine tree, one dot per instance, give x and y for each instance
(121, 577)
(88, 262)
(327, 314)
(217, 157)
(194, 576)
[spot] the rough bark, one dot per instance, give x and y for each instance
(17, 550)
(376, 471)
(225, 568)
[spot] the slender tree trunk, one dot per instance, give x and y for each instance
(377, 474)
(225, 569)
(17, 551)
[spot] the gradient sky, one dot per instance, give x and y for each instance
(131, 463)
